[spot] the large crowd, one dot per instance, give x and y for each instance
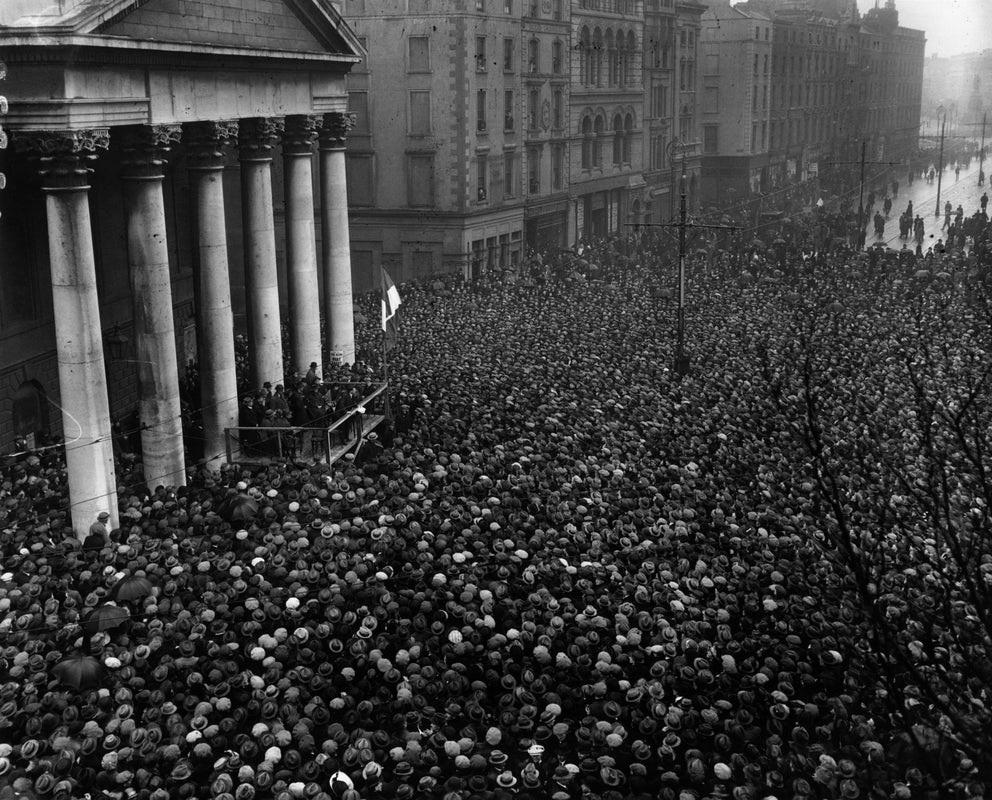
(567, 572)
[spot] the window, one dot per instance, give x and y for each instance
(534, 56)
(755, 65)
(481, 170)
(617, 140)
(598, 127)
(711, 100)
(628, 137)
(659, 100)
(509, 175)
(420, 180)
(586, 143)
(533, 8)
(360, 183)
(556, 14)
(556, 57)
(507, 6)
(418, 51)
(480, 110)
(765, 69)
(710, 140)
(557, 166)
(358, 104)
(420, 113)
(533, 109)
(480, 5)
(558, 114)
(480, 53)
(508, 110)
(534, 170)
(508, 55)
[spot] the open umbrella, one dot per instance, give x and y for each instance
(79, 671)
(104, 617)
(835, 307)
(131, 587)
(240, 508)
(922, 273)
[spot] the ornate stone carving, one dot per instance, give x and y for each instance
(334, 131)
(146, 149)
(63, 156)
(300, 134)
(205, 143)
(257, 136)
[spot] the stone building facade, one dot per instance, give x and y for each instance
(837, 78)
(540, 135)
(172, 164)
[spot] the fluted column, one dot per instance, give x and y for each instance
(162, 455)
(65, 158)
(256, 138)
(336, 246)
(301, 243)
(218, 381)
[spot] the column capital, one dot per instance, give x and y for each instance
(257, 136)
(63, 156)
(205, 143)
(334, 130)
(300, 134)
(146, 149)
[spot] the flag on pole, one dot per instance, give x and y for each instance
(390, 298)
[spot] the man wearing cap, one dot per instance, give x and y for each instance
(98, 535)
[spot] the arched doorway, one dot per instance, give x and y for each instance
(30, 412)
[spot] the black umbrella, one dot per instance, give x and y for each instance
(131, 587)
(240, 508)
(104, 617)
(79, 671)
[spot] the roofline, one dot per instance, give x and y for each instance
(146, 45)
(88, 20)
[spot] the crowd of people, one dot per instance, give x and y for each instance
(566, 573)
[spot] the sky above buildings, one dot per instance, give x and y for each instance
(952, 26)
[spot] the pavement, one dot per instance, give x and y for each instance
(964, 191)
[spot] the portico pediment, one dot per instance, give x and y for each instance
(284, 26)
(105, 63)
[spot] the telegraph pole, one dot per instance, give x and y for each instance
(981, 150)
(681, 364)
(861, 197)
(940, 168)
(681, 360)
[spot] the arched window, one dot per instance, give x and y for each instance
(630, 52)
(611, 59)
(628, 137)
(585, 48)
(586, 142)
(617, 140)
(597, 58)
(597, 142)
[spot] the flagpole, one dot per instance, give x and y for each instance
(385, 358)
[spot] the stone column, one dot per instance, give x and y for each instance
(145, 151)
(301, 242)
(218, 381)
(256, 138)
(336, 255)
(64, 158)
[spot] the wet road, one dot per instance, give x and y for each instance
(964, 191)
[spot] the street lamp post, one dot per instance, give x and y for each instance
(670, 150)
(942, 116)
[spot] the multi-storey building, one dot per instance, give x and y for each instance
(736, 100)
(606, 113)
(435, 162)
(837, 79)
(544, 111)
